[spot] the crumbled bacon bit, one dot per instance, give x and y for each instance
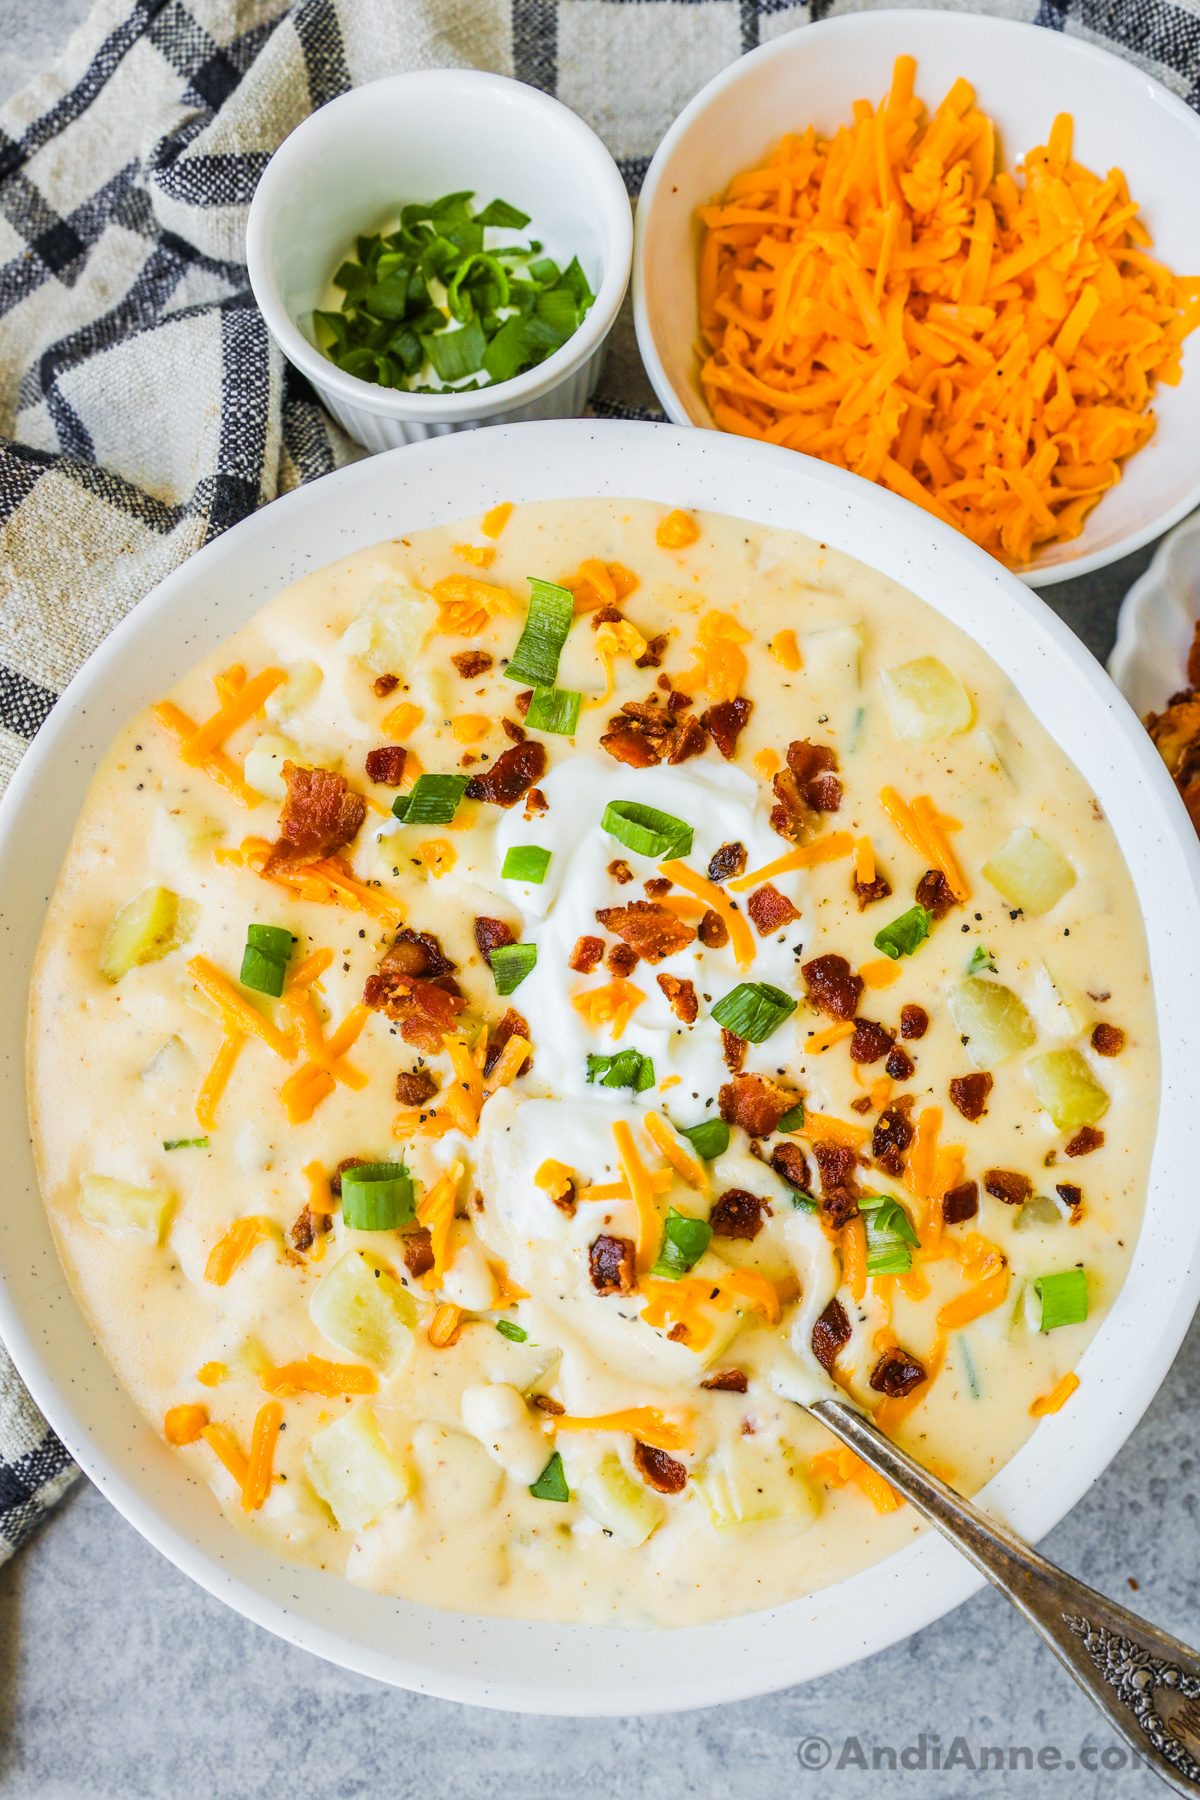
(969, 1093)
(862, 1104)
(676, 701)
(548, 1404)
(933, 893)
(417, 1250)
(830, 1334)
(869, 891)
(620, 871)
(417, 953)
(914, 1021)
(681, 997)
(754, 1103)
(654, 931)
(424, 1010)
(611, 1264)
(813, 766)
(625, 742)
(733, 1050)
(607, 615)
(897, 1373)
(1086, 1139)
(658, 1470)
(655, 886)
(622, 960)
(791, 1165)
(535, 802)
(691, 740)
(1069, 1194)
(1008, 1185)
(383, 685)
(415, 1086)
(727, 862)
(513, 1024)
(900, 1065)
(838, 1166)
(726, 1381)
(738, 1214)
(386, 765)
(656, 649)
(492, 934)
(725, 723)
(770, 910)
(512, 774)
(308, 1227)
(471, 663)
(320, 816)
(512, 730)
(1108, 1040)
(960, 1203)
(586, 955)
(870, 1041)
(523, 701)
(712, 931)
(891, 1138)
(566, 1203)
(831, 986)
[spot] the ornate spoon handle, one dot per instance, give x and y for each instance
(1146, 1683)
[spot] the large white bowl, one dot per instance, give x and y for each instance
(563, 1669)
(351, 165)
(1023, 76)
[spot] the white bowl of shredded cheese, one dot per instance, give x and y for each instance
(570, 1668)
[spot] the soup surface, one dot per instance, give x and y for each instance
(806, 874)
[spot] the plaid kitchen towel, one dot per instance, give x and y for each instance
(143, 408)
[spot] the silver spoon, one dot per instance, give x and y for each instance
(1145, 1683)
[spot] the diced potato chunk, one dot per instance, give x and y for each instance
(149, 927)
(299, 688)
(390, 628)
(1029, 872)
(747, 1483)
(925, 700)
(621, 1505)
(833, 653)
(1067, 1089)
(1060, 1010)
(263, 767)
(354, 1472)
(170, 1066)
(360, 1306)
(992, 1019)
(120, 1209)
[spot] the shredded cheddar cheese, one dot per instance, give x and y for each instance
(481, 555)
(316, 1376)
(720, 665)
(257, 1484)
(231, 1250)
(720, 903)
(648, 1423)
(612, 1005)
(1057, 1398)
(831, 847)
(678, 531)
(183, 1424)
(681, 1160)
(496, 518)
(837, 1467)
(879, 974)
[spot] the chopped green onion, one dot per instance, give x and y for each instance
(534, 662)
(503, 216)
(185, 1143)
(628, 1068)
(804, 1203)
(646, 831)
(793, 1118)
(968, 1362)
(684, 1243)
(526, 862)
(551, 1484)
(507, 1329)
(904, 934)
(272, 940)
(433, 800)
(889, 1235)
(511, 963)
(708, 1139)
(1064, 1298)
(981, 959)
(455, 354)
(265, 974)
(554, 709)
(753, 1010)
(377, 1197)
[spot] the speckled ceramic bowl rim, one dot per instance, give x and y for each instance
(576, 1669)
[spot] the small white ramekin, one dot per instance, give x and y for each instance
(351, 165)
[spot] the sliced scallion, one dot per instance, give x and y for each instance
(646, 831)
(627, 1068)
(534, 662)
(433, 800)
(1064, 1298)
(507, 1329)
(708, 1139)
(554, 709)
(526, 862)
(551, 1484)
(889, 1235)
(684, 1243)
(904, 934)
(272, 940)
(511, 963)
(200, 1143)
(753, 1010)
(793, 1118)
(981, 959)
(265, 974)
(503, 216)
(377, 1197)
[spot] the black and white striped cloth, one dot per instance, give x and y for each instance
(142, 405)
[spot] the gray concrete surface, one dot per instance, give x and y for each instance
(119, 1679)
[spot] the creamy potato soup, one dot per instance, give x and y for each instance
(550, 994)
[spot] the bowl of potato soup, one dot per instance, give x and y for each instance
(526, 964)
